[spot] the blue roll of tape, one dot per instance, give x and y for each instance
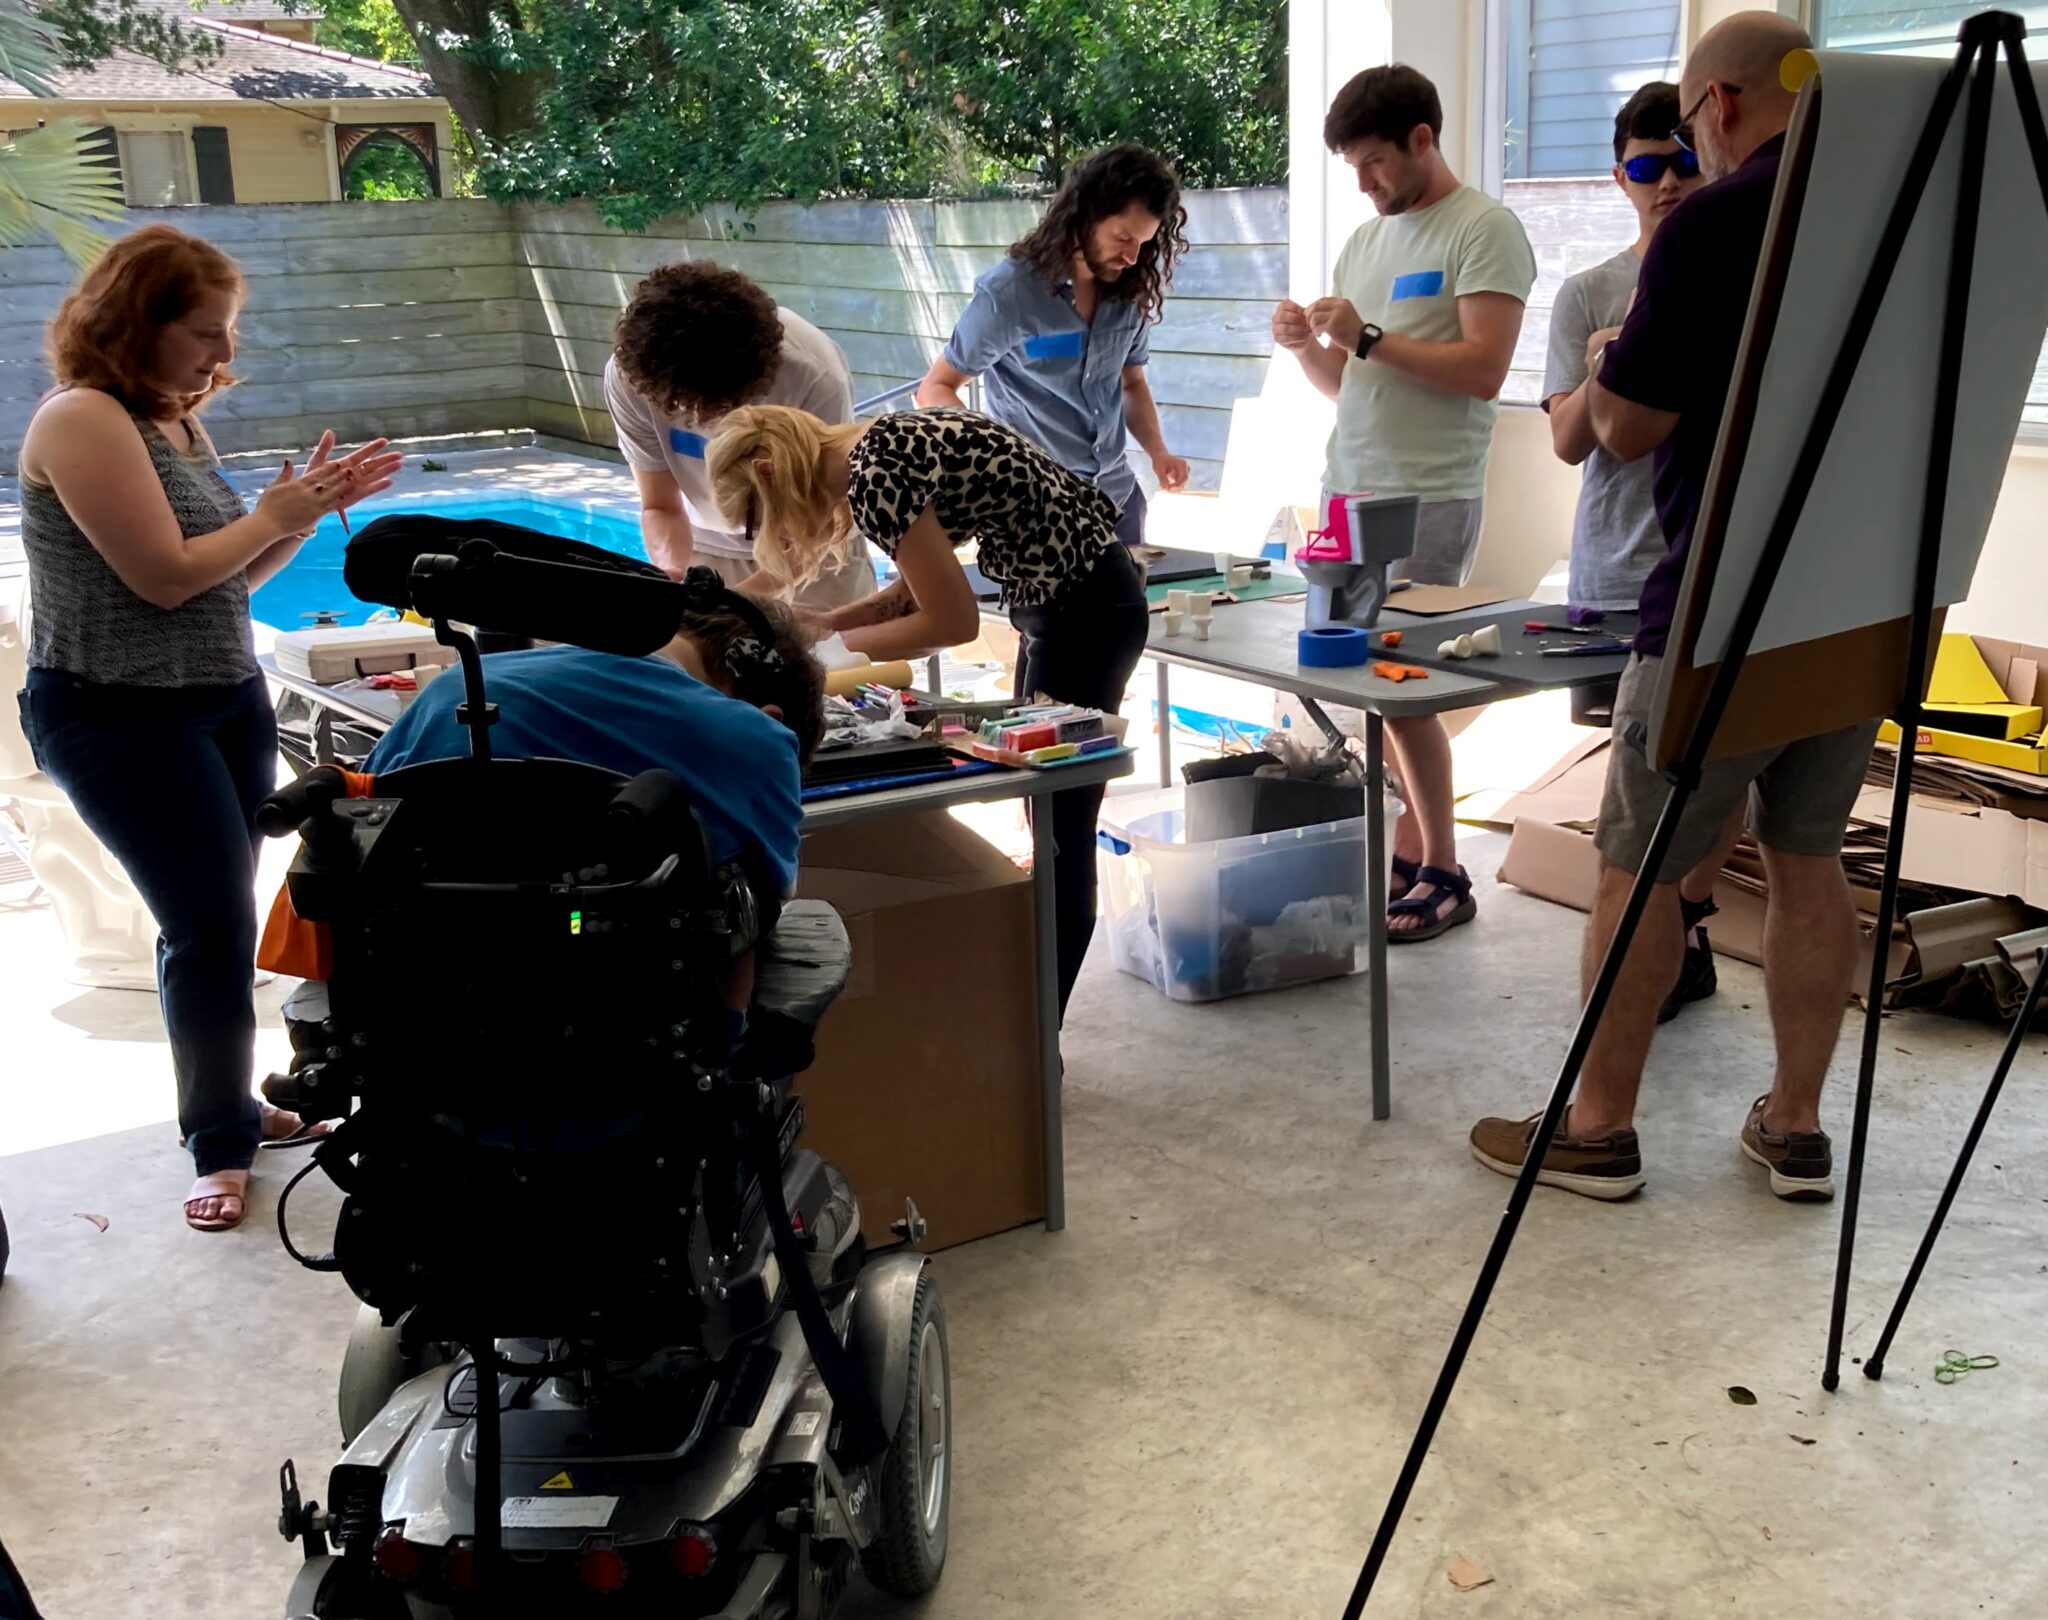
(1336, 646)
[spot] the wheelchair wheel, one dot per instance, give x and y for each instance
(372, 1368)
(914, 1479)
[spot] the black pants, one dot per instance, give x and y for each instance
(169, 779)
(1081, 647)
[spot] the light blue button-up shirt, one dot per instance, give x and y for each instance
(1053, 377)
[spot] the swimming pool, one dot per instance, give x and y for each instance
(311, 582)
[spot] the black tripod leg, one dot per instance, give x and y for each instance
(1933, 513)
(1866, 1066)
(1525, 1184)
(1874, 1367)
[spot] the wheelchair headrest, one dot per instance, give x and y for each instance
(521, 582)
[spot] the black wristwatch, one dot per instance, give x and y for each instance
(1368, 335)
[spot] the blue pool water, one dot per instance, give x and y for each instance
(311, 583)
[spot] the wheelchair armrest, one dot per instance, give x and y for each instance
(800, 967)
(803, 963)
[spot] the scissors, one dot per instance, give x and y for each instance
(1954, 1364)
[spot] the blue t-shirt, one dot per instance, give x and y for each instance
(1055, 378)
(627, 715)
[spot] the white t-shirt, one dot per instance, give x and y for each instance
(1405, 273)
(813, 377)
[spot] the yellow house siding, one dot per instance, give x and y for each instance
(278, 154)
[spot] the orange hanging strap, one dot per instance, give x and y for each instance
(290, 944)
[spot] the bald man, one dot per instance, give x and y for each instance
(1659, 388)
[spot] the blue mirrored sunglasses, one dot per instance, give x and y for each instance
(1649, 168)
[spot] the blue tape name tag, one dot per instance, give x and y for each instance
(687, 444)
(1053, 346)
(1419, 284)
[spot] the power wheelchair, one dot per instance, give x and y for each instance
(622, 1349)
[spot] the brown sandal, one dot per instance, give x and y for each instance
(226, 1190)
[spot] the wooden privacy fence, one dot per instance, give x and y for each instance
(887, 280)
(431, 318)
(394, 318)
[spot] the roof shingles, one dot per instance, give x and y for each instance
(252, 66)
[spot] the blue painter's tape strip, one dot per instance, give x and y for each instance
(692, 445)
(1335, 646)
(1419, 284)
(1053, 346)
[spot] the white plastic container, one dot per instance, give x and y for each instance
(1200, 922)
(331, 654)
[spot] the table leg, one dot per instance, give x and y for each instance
(1376, 909)
(1165, 726)
(1050, 1080)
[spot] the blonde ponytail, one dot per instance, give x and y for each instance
(767, 464)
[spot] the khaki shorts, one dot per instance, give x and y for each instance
(849, 584)
(1799, 795)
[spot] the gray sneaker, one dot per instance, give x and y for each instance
(1801, 1163)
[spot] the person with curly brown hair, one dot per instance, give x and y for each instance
(1060, 330)
(697, 342)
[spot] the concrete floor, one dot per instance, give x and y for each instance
(1191, 1404)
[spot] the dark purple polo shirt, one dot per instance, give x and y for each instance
(1676, 351)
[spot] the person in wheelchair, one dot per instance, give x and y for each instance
(561, 1176)
(733, 706)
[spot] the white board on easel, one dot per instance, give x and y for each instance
(1850, 564)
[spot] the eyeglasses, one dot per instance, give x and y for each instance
(1648, 169)
(1683, 134)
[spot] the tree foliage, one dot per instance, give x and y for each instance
(649, 107)
(54, 180)
(1038, 83)
(653, 107)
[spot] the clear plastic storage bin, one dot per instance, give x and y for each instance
(1200, 922)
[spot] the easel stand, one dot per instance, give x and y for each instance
(1981, 41)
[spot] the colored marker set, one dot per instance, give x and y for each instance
(1047, 734)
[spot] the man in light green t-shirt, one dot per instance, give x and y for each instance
(1413, 345)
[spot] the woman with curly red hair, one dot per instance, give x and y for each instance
(144, 702)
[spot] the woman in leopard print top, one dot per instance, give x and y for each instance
(144, 703)
(919, 484)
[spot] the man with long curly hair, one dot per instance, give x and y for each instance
(697, 342)
(1061, 329)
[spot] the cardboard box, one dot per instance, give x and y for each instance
(926, 1082)
(1983, 851)
(1560, 864)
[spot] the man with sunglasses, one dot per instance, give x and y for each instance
(1616, 538)
(1661, 387)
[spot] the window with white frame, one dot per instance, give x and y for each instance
(156, 167)
(1570, 64)
(1565, 69)
(1873, 25)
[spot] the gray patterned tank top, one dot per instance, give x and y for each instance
(87, 623)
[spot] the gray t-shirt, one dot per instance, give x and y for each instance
(1405, 273)
(813, 377)
(1616, 539)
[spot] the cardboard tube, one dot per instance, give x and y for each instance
(844, 682)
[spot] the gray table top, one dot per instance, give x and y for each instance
(1256, 641)
(380, 709)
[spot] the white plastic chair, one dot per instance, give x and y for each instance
(106, 927)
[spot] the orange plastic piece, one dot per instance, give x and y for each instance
(1399, 672)
(1390, 638)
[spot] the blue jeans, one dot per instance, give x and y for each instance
(169, 779)
(1130, 522)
